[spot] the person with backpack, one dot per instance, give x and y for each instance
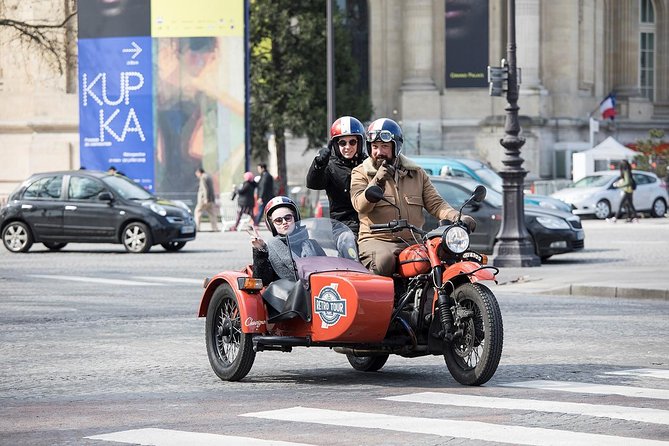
(627, 185)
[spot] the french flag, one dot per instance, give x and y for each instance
(608, 107)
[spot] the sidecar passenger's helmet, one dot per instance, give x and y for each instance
(385, 130)
(347, 126)
(276, 203)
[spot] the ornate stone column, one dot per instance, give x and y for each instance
(528, 17)
(417, 24)
(625, 28)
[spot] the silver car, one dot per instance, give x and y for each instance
(596, 195)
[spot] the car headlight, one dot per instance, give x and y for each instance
(182, 205)
(158, 209)
(456, 239)
(553, 223)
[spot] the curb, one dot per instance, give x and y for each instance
(594, 291)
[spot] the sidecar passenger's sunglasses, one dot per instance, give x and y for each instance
(343, 142)
(279, 220)
(382, 135)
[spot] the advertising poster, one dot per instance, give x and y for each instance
(162, 91)
(466, 43)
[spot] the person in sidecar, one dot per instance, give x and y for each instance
(272, 259)
(405, 185)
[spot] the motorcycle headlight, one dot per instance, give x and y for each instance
(456, 239)
(158, 209)
(553, 223)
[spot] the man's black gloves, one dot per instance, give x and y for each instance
(469, 222)
(385, 173)
(323, 156)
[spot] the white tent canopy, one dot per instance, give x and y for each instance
(603, 154)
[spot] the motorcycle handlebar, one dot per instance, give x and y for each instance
(388, 225)
(395, 226)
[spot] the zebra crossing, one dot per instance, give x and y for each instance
(458, 428)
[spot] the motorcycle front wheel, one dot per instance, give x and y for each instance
(230, 350)
(474, 353)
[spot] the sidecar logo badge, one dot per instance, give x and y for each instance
(329, 305)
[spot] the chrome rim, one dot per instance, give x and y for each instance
(16, 237)
(135, 238)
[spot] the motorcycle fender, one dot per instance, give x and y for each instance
(252, 312)
(465, 268)
(350, 306)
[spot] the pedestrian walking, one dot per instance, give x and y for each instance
(265, 190)
(206, 200)
(627, 185)
(245, 199)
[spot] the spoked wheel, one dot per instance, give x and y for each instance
(473, 355)
(367, 363)
(173, 246)
(17, 237)
(230, 351)
(54, 246)
(137, 238)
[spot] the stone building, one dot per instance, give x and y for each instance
(572, 53)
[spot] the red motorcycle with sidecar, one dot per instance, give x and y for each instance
(435, 305)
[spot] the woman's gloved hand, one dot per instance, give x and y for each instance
(469, 222)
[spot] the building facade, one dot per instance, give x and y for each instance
(572, 53)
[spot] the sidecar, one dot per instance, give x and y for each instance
(333, 302)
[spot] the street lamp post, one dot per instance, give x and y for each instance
(330, 66)
(514, 246)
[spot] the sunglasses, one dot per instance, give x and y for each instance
(382, 135)
(279, 220)
(343, 142)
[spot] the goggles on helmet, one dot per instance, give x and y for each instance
(382, 135)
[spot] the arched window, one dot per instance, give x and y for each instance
(647, 49)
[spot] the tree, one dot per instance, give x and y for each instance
(288, 75)
(45, 37)
(654, 153)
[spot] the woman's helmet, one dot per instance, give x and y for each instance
(385, 130)
(276, 203)
(347, 126)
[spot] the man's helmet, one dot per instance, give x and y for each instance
(276, 203)
(347, 126)
(385, 130)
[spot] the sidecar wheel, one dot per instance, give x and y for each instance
(473, 357)
(230, 350)
(367, 363)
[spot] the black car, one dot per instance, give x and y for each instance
(83, 206)
(552, 231)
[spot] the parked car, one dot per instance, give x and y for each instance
(481, 172)
(595, 194)
(552, 231)
(83, 206)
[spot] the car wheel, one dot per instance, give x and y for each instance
(137, 238)
(54, 246)
(602, 209)
(659, 208)
(17, 237)
(173, 246)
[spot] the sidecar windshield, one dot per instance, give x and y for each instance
(322, 237)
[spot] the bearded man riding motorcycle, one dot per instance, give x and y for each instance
(405, 185)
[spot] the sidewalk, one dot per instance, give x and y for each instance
(619, 260)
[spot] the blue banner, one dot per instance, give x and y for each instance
(116, 106)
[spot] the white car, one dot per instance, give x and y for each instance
(595, 194)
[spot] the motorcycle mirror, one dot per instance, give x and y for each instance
(480, 193)
(374, 194)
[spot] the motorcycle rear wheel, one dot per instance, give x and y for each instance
(473, 357)
(367, 363)
(230, 350)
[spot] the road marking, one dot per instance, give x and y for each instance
(644, 415)
(473, 430)
(170, 279)
(168, 437)
(599, 389)
(122, 282)
(649, 373)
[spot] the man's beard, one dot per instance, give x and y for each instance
(379, 161)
